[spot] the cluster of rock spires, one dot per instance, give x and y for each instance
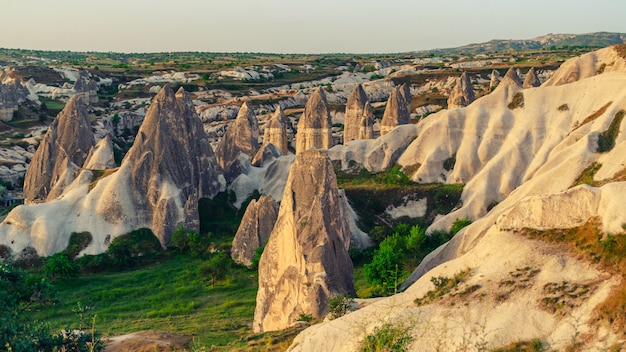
(462, 94)
(315, 125)
(61, 153)
(306, 259)
(274, 138)
(397, 111)
(359, 118)
(86, 88)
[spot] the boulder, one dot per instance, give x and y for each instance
(315, 125)
(255, 228)
(66, 144)
(305, 261)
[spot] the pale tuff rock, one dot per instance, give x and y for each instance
(87, 89)
(531, 80)
(355, 114)
(12, 93)
(397, 109)
(66, 143)
(170, 165)
(366, 125)
(495, 79)
(255, 228)
(511, 77)
(462, 94)
(588, 65)
(101, 155)
(315, 125)
(242, 136)
(275, 135)
(305, 261)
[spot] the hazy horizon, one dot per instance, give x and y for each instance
(292, 27)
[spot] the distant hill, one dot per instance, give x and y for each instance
(549, 41)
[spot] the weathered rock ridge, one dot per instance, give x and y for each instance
(255, 228)
(315, 125)
(306, 259)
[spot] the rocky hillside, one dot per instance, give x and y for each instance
(535, 266)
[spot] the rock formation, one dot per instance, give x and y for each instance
(495, 79)
(305, 261)
(255, 228)
(12, 93)
(355, 113)
(170, 165)
(64, 148)
(87, 89)
(275, 134)
(512, 77)
(531, 80)
(462, 94)
(315, 125)
(242, 136)
(366, 125)
(397, 110)
(101, 155)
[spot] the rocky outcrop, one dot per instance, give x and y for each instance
(242, 136)
(315, 125)
(495, 79)
(397, 109)
(366, 125)
(355, 114)
(64, 148)
(305, 261)
(87, 89)
(170, 166)
(275, 133)
(531, 80)
(101, 155)
(512, 77)
(462, 94)
(255, 228)
(12, 93)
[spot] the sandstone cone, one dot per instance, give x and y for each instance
(305, 261)
(495, 79)
(315, 125)
(101, 155)
(512, 77)
(66, 143)
(397, 110)
(366, 126)
(531, 79)
(255, 228)
(171, 165)
(275, 134)
(355, 113)
(462, 94)
(242, 136)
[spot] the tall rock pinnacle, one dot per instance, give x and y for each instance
(305, 261)
(397, 109)
(255, 228)
(315, 125)
(242, 136)
(171, 165)
(355, 113)
(495, 79)
(512, 77)
(462, 94)
(64, 148)
(366, 126)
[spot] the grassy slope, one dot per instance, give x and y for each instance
(170, 296)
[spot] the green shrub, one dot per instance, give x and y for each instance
(217, 267)
(388, 338)
(517, 102)
(449, 163)
(458, 225)
(339, 305)
(124, 249)
(385, 268)
(60, 266)
(606, 139)
(305, 317)
(78, 242)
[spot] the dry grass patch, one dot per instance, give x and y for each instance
(517, 102)
(448, 287)
(520, 279)
(593, 116)
(620, 49)
(98, 175)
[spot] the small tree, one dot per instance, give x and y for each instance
(61, 266)
(339, 305)
(217, 267)
(415, 240)
(384, 267)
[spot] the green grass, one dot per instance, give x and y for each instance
(170, 295)
(606, 139)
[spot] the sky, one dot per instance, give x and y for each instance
(293, 26)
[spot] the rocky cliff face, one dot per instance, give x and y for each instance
(355, 114)
(255, 228)
(64, 148)
(315, 125)
(397, 110)
(242, 136)
(305, 261)
(462, 94)
(531, 80)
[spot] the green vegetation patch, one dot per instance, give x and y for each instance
(518, 280)
(517, 102)
(586, 177)
(562, 297)
(388, 338)
(445, 286)
(606, 139)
